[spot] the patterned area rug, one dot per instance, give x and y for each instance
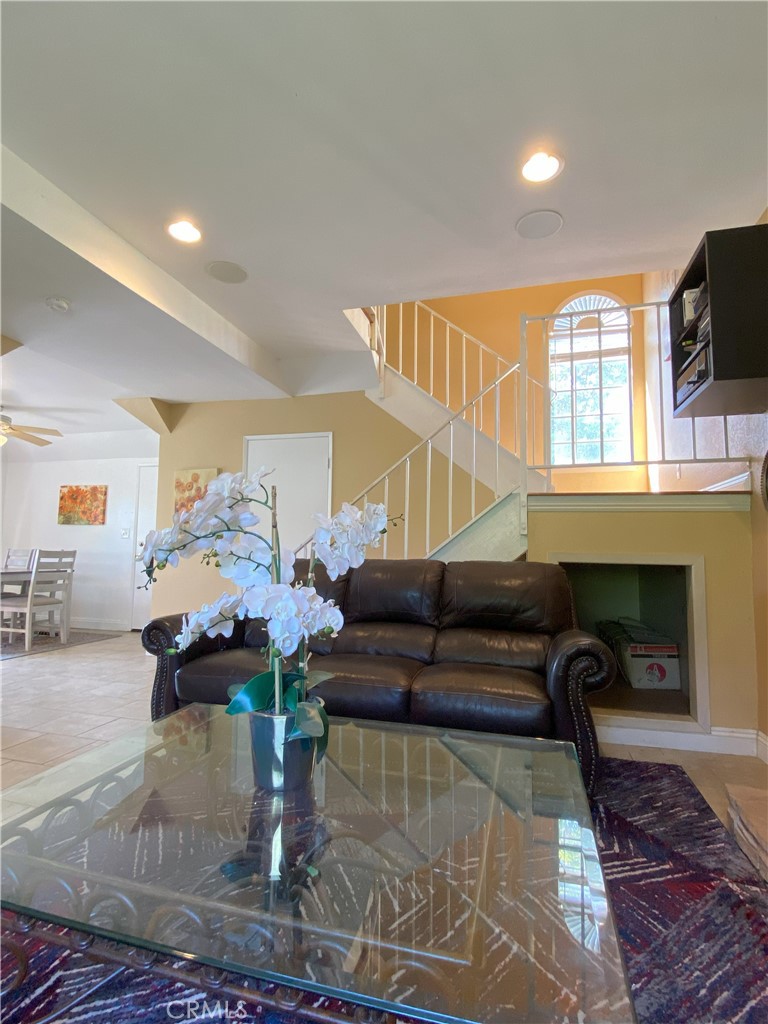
(691, 910)
(692, 917)
(42, 644)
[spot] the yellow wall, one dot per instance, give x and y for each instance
(760, 592)
(366, 442)
(725, 541)
(494, 317)
(750, 434)
(632, 480)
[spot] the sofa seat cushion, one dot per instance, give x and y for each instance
(364, 686)
(206, 679)
(486, 698)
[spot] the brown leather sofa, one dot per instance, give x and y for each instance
(489, 646)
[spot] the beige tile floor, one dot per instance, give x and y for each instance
(59, 704)
(56, 705)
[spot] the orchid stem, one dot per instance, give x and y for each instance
(303, 662)
(277, 662)
(277, 665)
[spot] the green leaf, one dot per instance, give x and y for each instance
(322, 741)
(316, 676)
(234, 689)
(291, 698)
(308, 718)
(256, 695)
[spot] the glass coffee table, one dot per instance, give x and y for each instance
(434, 874)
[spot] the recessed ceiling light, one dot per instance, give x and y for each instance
(539, 224)
(228, 273)
(542, 167)
(58, 304)
(184, 231)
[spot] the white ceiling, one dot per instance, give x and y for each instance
(354, 153)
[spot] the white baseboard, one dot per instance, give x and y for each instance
(717, 741)
(648, 720)
(762, 746)
(112, 625)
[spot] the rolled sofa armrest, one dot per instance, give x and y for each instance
(578, 663)
(159, 638)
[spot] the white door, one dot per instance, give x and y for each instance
(302, 475)
(146, 517)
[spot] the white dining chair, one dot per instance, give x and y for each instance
(17, 558)
(49, 592)
(60, 585)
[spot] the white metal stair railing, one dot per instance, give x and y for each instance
(445, 361)
(454, 476)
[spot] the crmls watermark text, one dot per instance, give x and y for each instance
(196, 1009)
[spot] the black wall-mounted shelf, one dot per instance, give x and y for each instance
(726, 372)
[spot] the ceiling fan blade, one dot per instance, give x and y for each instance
(38, 430)
(13, 432)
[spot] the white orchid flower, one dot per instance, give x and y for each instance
(215, 619)
(253, 485)
(151, 541)
(324, 530)
(223, 484)
(254, 599)
(223, 522)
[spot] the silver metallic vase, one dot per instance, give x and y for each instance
(279, 764)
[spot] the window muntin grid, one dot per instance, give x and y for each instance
(590, 383)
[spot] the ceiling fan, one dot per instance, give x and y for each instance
(24, 433)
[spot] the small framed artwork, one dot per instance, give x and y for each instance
(83, 505)
(189, 486)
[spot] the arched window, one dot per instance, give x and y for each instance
(590, 383)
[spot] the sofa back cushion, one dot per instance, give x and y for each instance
(255, 633)
(406, 591)
(502, 613)
(329, 590)
(525, 597)
(387, 639)
(502, 647)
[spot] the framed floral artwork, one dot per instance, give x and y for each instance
(189, 486)
(83, 505)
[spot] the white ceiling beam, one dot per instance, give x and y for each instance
(40, 202)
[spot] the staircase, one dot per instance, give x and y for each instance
(460, 492)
